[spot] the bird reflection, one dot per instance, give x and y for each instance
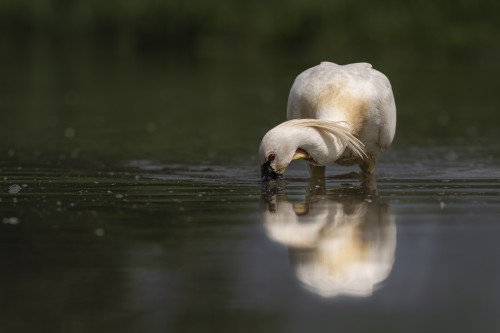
(340, 243)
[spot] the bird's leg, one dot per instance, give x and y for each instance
(317, 172)
(317, 184)
(368, 166)
(369, 185)
(368, 181)
(368, 169)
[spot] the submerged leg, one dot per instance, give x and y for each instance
(368, 170)
(316, 186)
(369, 185)
(316, 171)
(368, 181)
(368, 167)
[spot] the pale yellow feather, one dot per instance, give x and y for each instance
(334, 129)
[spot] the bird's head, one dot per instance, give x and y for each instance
(268, 169)
(277, 150)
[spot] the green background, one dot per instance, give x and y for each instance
(193, 81)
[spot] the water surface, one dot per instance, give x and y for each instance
(142, 245)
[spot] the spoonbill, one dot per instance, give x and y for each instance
(343, 114)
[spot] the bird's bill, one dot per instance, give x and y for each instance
(267, 172)
(300, 153)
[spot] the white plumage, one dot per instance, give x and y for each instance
(337, 114)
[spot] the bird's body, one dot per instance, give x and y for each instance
(336, 114)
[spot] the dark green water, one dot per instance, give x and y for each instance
(146, 246)
(130, 200)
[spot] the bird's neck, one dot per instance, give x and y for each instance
(323, 148)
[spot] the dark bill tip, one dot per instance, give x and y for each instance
(267, 173)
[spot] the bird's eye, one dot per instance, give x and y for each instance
(271, 157)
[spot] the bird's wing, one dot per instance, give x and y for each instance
(307, 89)
(355, 94)
(318, 91)
(385, 108)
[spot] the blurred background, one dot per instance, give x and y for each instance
(202, 81)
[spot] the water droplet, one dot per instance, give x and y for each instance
(11, 220)
(69, 132)
(99, 232)
(14, 189)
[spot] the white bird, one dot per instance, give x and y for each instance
(336, 114)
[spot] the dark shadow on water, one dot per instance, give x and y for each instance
(340, 241)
